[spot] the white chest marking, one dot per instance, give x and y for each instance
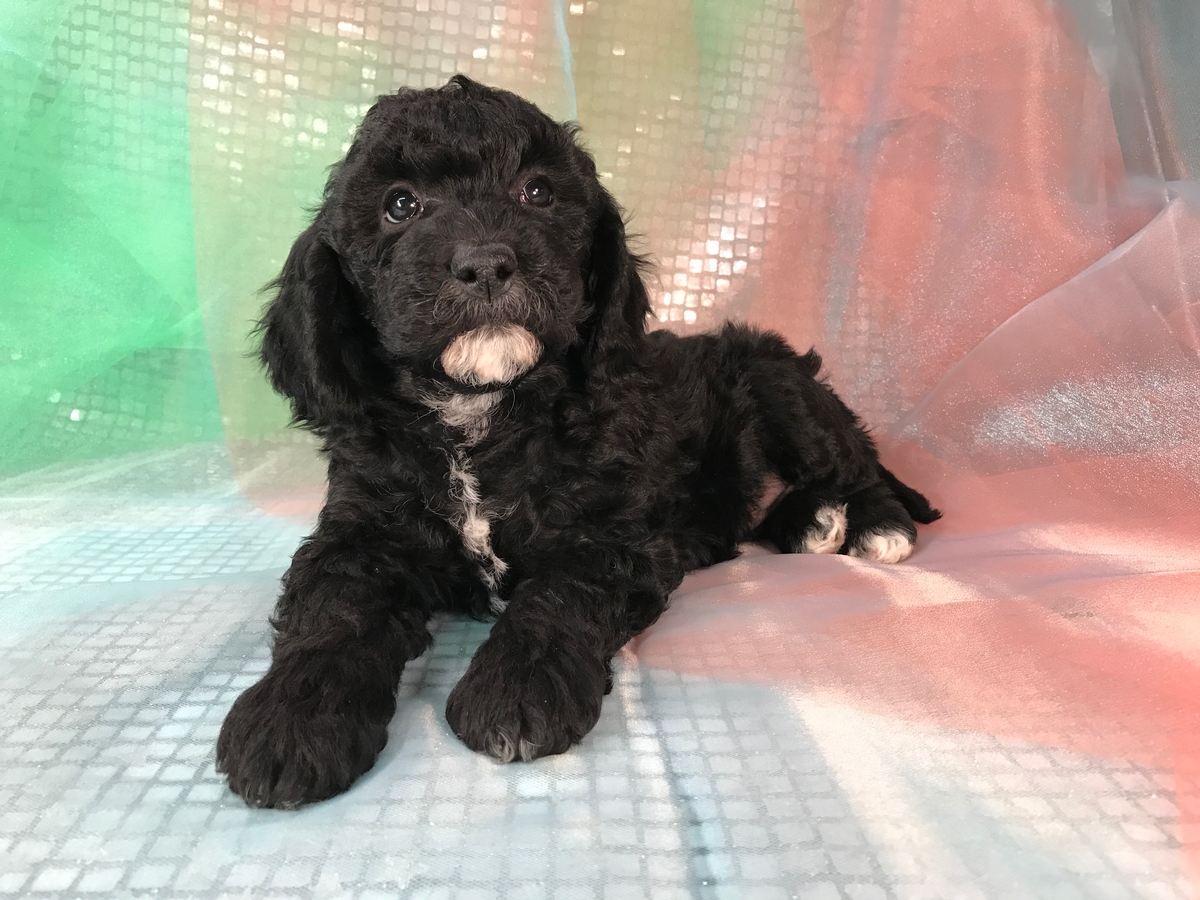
(472, 415)
(469, 413)
(470, 519)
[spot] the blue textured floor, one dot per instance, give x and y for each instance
(135, 596)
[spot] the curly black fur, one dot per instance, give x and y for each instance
(566, 495)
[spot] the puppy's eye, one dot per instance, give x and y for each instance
(401, 206)
(537, 192)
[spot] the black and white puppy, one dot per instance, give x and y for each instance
(465, 329)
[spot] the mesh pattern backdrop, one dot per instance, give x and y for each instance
(103, 343)
(986, 219)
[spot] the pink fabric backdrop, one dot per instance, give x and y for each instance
(1020, 321)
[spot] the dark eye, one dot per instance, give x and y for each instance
(401, 206)
(537, 192)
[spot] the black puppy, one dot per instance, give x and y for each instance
(464, 328)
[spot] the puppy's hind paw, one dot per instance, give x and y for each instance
(827, 532)
(883, 546)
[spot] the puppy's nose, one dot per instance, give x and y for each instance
(486, 268)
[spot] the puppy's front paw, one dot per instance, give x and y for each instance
(518, 700)
(302, 734)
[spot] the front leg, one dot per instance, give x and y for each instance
(535, 686)
(353, 611)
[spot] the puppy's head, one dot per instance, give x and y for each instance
(466, 239)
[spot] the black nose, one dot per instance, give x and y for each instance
(485, 268)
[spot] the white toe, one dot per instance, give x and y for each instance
(829, 532)
(883, 546)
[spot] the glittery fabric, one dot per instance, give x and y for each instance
(985, 217)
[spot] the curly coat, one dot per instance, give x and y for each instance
(463, 326)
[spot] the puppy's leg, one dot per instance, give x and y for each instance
(535, 686)
(354, 609)
(842, 500)
(810, 440)
(875, 522)
(871, 522)
(805, 522)
(881, 520)
(878, 527)
(913, 501)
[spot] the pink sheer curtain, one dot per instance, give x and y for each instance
(1011, 299)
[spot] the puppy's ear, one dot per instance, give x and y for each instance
(618, 297)
(316, 344)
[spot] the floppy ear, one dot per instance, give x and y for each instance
(316, 344)
(616, 293)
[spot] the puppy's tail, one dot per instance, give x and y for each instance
(914, 502)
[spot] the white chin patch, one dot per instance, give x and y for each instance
(491, 354)
(883, 546)
(828, 532)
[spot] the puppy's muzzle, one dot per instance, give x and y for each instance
(485, 270)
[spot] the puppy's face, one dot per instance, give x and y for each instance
(464, 217)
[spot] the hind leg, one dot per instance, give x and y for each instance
(804, 522)
(841, 499)
(870, 523)
(878, 527)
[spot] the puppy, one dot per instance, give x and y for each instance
(465, 329)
